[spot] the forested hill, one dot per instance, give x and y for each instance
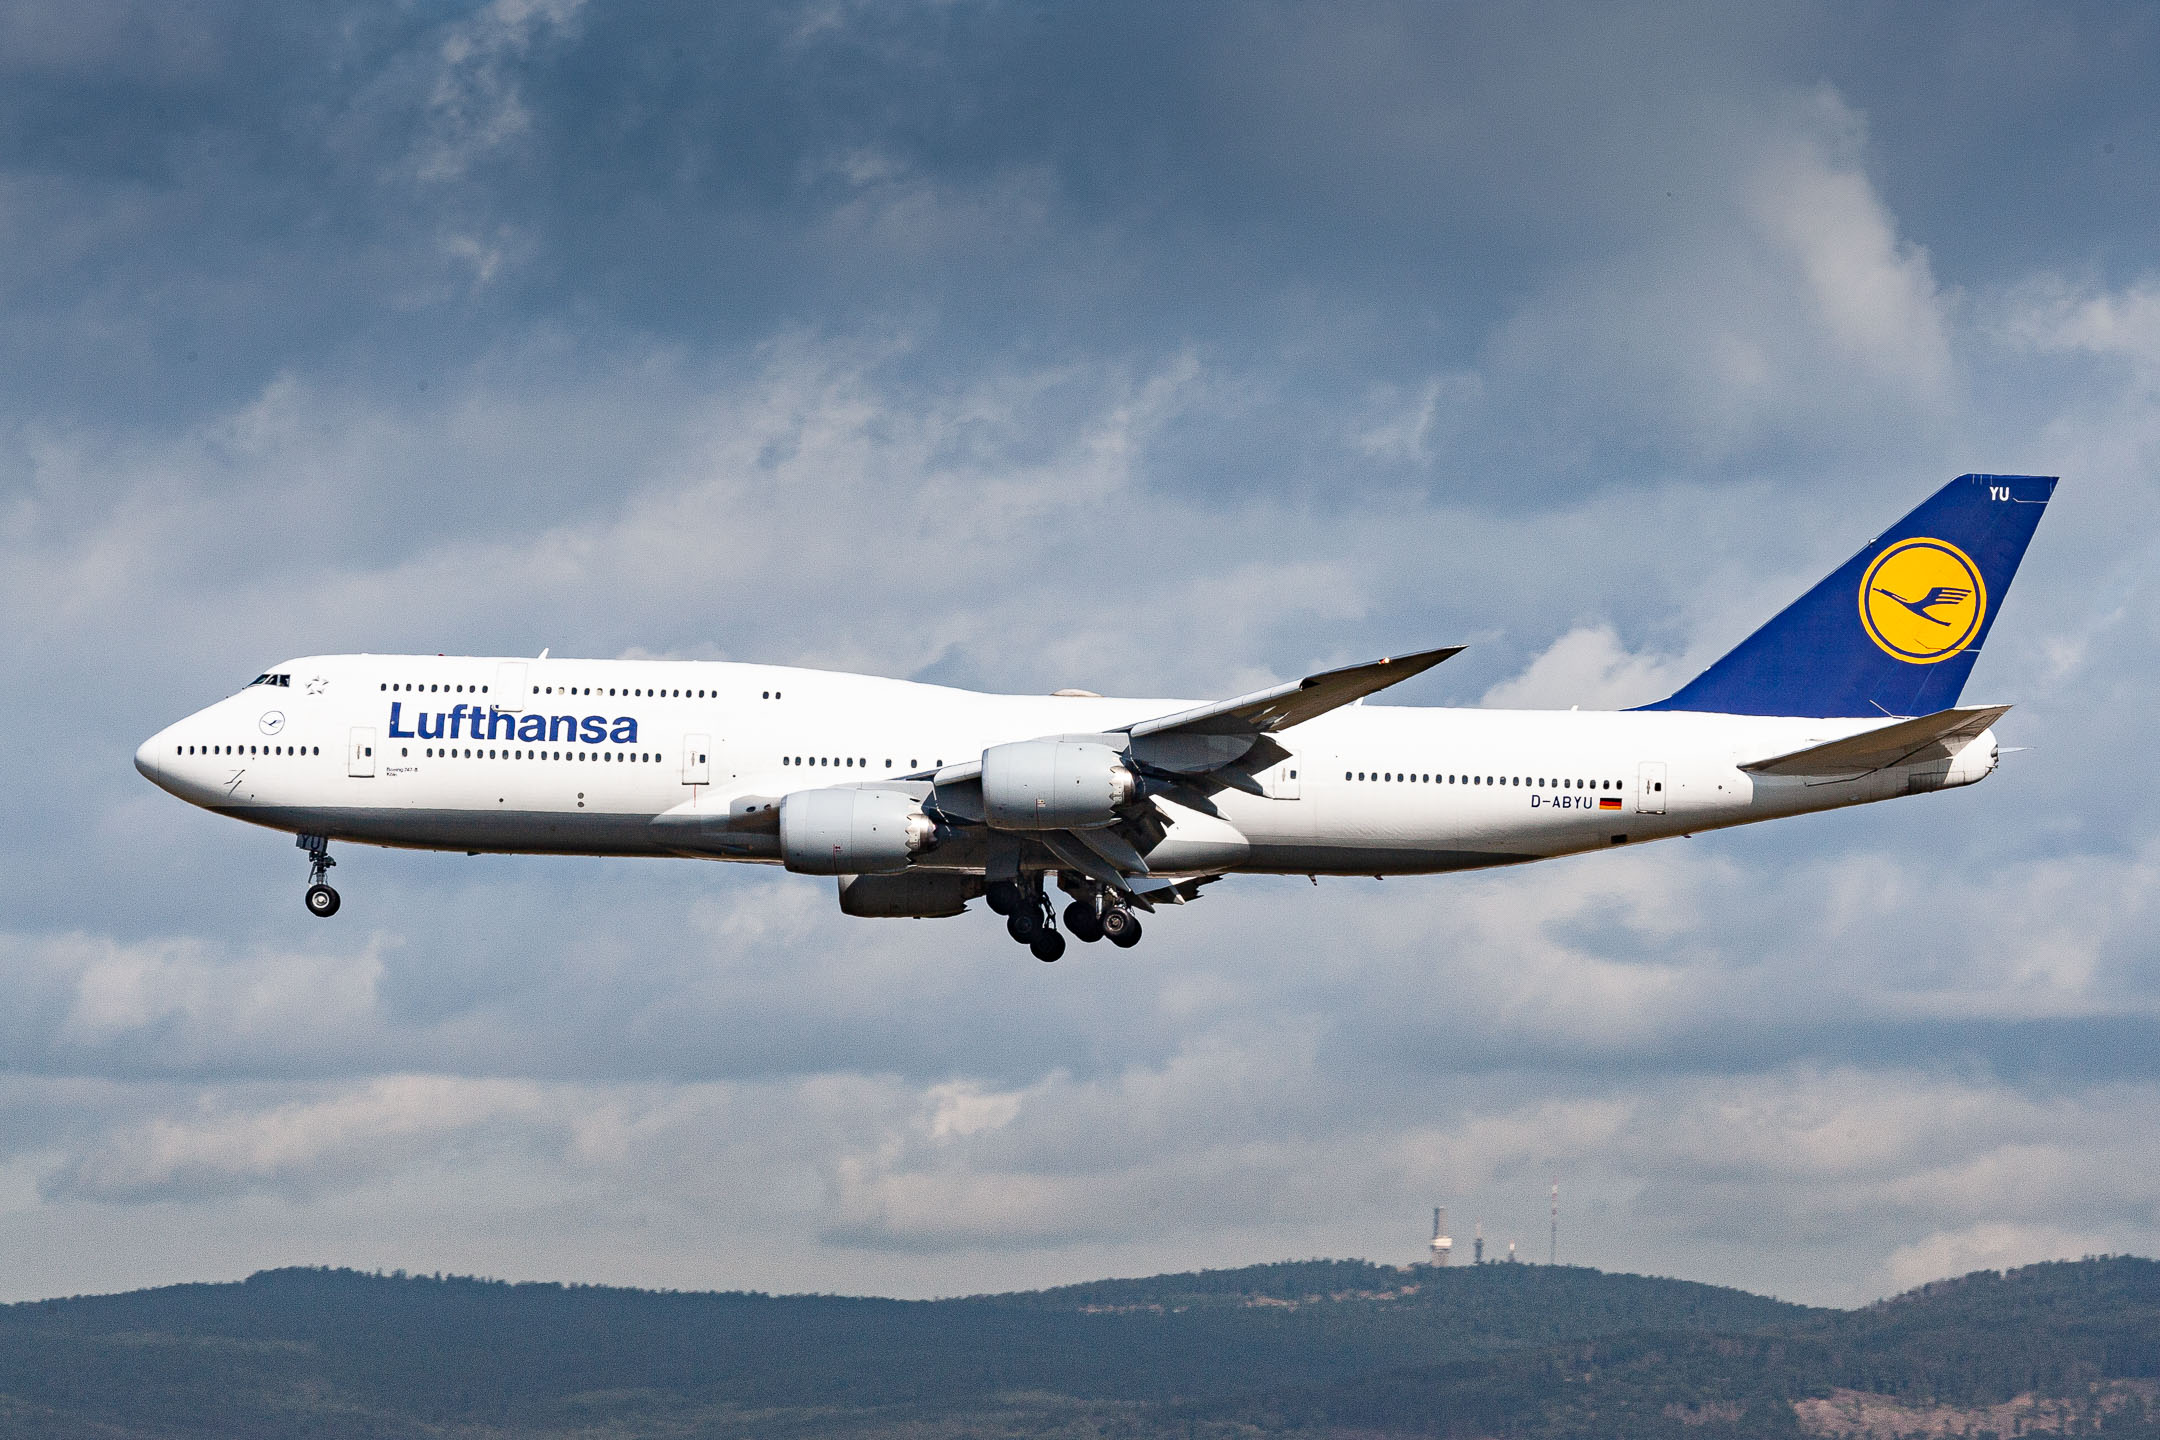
(1308, 1349)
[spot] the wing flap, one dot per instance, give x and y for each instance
(1925, 737)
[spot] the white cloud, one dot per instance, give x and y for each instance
(1874, 294)
(299, 1144)
(2051, 315)
(1986, 1247)
(1776, 311)
(477, 106)
(1587, 667)
(1405, 429)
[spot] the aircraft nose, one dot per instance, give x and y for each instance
(150, 758)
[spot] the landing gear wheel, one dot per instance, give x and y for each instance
(1122, 928)
(1002, 896)
(1024, 925)
(322, 901)
(1048, 946)
(1081, 923)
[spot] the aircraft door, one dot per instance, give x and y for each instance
(1282, 782)
(1650, 796)
(511, 687)
(360, 752)
(697, 760)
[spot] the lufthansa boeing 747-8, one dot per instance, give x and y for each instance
(920, 798)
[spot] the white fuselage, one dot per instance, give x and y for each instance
(584, 756)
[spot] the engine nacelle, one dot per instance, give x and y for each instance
(917, 895)
(1054, 785)
(852, 832)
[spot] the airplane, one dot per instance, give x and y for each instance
(922, 798)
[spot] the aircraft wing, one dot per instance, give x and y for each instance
(1208, 737)
(1188, 757)
(1926, 737)
(1282, 706)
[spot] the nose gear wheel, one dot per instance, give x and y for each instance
(322, 901)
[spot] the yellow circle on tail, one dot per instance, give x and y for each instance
(1922, 600)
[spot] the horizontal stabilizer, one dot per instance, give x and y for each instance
(1906, 742)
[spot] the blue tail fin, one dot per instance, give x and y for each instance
(1896, 629)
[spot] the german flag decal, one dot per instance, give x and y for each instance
(1608, 802)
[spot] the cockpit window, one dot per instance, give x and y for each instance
(268, 679)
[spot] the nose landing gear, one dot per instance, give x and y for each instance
(322, 901)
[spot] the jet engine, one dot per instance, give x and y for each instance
(852, 832)
(1054, 785)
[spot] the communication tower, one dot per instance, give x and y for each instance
(1554, 1258)
(1443, 1247)
(1477, 1245)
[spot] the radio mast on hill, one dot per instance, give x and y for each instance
(1554, 1258)
(1443, 1245)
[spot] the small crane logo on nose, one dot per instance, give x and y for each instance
(272, 722)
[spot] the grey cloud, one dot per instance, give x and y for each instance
(1147, 350)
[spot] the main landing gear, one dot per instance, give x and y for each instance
(322, 901)
(1030, 917)
(1098, 917)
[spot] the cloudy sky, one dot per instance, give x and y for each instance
(1168, 350)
